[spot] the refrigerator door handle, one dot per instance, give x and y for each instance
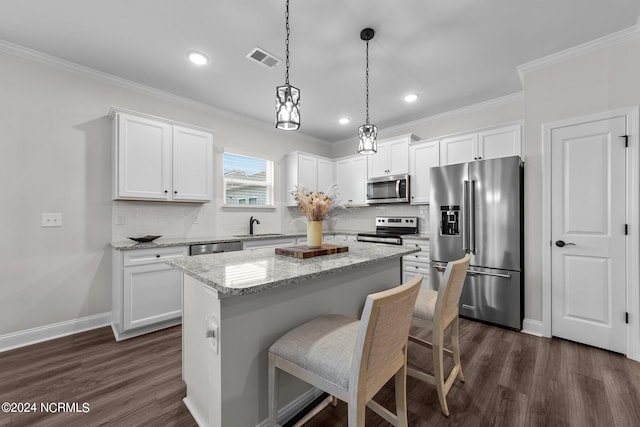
(472, 216)
(483, 273)
(465, 217)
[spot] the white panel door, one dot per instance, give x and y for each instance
(192, 164)
(144, 158)
(458, 149)
(378, 163)
(588, 238)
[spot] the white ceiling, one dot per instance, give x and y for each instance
(453, 53)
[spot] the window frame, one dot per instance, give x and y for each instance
(269, 186)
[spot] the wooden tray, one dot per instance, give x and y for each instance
(304, 251)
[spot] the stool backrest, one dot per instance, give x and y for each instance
(449, 293)
(380, 349)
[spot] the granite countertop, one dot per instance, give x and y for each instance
(163, 242)
(255, 270)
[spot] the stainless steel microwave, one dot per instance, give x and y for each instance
(388, 189)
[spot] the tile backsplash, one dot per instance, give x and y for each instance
(133, 218)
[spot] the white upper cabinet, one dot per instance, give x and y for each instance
(487, 144)
(156, 160)
(192, 164)
(422, 157)
(351, 177)
(458, 149)
(313, 173)
(500, 142)
(392, 157)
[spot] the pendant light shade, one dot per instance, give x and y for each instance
(367, 133)
(287, 96)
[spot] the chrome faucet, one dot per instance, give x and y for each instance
(252, 220)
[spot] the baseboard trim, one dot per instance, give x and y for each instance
(533, 327)
(55, 330)
(292, 408)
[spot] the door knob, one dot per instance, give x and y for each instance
(561, 243)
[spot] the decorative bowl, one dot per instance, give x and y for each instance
(144, 239)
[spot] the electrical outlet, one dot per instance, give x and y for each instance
(52, 220)
(121, 219)
(212, 333)
(195, 219)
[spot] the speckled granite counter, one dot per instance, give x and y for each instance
(254, 270)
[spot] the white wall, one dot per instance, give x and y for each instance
(601, 80)
(55, 156)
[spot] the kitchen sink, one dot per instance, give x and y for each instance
(258, 235)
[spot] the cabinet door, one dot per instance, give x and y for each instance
(192, 165)
(398, 156)
(378, 163)
(358, 180)
(325, 174)
(143, 169)
(268, 243)
(308, 172)
(152, 294)
(458, 149)
(422, 158)
(501, 142)
(343, 175)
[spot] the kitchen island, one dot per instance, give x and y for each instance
(236, 304)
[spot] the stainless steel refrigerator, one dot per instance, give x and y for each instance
(477, 208)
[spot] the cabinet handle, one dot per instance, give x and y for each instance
(175, 192)
(157, 256)
(165, 191)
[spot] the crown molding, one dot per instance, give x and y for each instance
(496, 102)
(72, 67)
(609, 40)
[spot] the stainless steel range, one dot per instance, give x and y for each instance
(390, 229)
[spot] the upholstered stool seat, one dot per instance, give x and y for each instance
(322, 346)
(351, 359)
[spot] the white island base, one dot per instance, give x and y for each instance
(227, 385)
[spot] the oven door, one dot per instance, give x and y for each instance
(388, 189)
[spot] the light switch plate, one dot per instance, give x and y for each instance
(52, 220)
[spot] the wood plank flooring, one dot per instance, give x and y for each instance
(512, 379)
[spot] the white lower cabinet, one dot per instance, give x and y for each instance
(417, 263)
(146, 292)
(341, 238)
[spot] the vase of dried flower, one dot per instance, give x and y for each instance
(314, 234)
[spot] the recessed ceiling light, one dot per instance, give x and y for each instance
(411, 97)
(344, 120)
(198, 58)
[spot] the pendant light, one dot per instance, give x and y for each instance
(287, 96)
(367, 133)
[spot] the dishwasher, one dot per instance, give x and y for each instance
(214, 248)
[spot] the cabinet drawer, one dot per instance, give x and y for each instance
(422, 257)
(151, 256)
(408, 275)
(422, 268)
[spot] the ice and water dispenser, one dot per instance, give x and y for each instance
(449, 220)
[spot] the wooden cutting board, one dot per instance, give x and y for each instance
(304, 251)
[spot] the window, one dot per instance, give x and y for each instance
(247, 181)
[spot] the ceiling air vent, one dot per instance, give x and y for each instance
(263, 57)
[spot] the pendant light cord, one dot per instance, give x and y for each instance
(367, 84)
(286, 43)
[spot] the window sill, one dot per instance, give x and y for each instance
(251, 207)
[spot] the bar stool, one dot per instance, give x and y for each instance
(436, 311)
(351, 359)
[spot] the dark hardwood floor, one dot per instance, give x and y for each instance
(512, 379)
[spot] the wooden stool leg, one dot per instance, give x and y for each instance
(438, 368)
(273, 392)
(401, 397)
(455, 344)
